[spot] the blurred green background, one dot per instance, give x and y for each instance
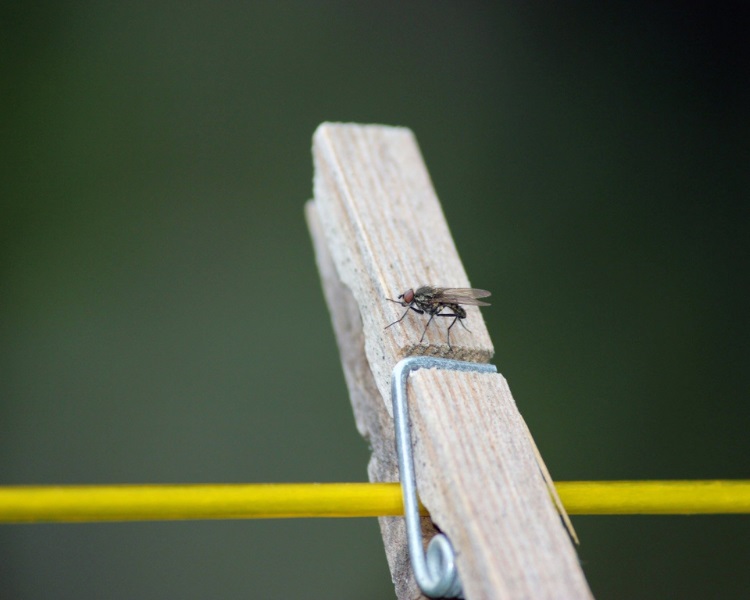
(161, 318)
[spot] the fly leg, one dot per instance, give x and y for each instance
(432, 316)
(421, 312)
(456, 317)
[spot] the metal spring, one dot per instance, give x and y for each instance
(436, 572)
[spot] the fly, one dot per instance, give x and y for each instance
(440, 302)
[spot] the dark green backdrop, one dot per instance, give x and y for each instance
(161, 318)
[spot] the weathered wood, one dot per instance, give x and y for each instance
(386, 233)
(373, 421)
(378, 230)
(478, 475)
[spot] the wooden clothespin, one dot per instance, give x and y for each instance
(378, 230)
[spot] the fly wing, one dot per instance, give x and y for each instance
(466, 296)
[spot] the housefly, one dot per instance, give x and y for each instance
(440, 302)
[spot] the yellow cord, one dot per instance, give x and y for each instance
(655, 497)
(58, 504)
(23, 504)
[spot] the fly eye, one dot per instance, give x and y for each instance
(408, 296)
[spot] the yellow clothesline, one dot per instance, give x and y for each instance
(88, 503)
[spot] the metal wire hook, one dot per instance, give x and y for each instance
(435, 572)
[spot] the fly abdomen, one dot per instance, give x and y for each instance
(456, 309)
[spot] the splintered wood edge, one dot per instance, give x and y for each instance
(473, 458)
(386, 233)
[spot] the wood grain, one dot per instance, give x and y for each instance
(386, 233)
(378, 229)
(372, 419)
(478, 475)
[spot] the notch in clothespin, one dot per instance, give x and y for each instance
(378, 229)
